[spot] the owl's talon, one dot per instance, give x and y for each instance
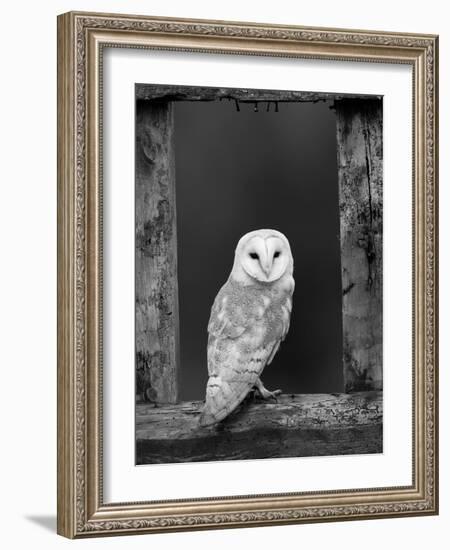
(265, 393)
(274, 394)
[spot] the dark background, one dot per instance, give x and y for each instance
(246, 170)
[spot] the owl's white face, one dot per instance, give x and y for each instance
(264, 255)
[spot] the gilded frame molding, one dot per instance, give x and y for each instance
(81, 37)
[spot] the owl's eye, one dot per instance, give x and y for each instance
(254, 256)
(277, 253)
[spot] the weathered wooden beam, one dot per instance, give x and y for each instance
(360, 174)
(202, 93)
(156, 260)
(296, 425)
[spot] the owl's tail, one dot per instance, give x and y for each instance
(207, 418)
(222, 398)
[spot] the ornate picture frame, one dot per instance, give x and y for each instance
(82, 39)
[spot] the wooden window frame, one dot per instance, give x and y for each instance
(359, 131)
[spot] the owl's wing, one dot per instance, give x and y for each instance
(225, 320)
(237, 354)
(286, 309)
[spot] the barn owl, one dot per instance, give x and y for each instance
(249, 318)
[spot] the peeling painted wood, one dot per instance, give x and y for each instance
(296, 425)
(360, 174)
(155, 254)
(192, 93)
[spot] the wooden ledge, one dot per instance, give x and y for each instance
(297, 425)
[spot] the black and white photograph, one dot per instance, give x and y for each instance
(258, 274)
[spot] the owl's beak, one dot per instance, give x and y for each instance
(266, 266)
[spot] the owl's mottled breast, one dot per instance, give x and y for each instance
(263, 309)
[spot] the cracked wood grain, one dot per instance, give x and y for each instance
(155, 254)
(360, 175)
(295, 425)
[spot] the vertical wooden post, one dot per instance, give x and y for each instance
(156, 254)
(360, 174)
